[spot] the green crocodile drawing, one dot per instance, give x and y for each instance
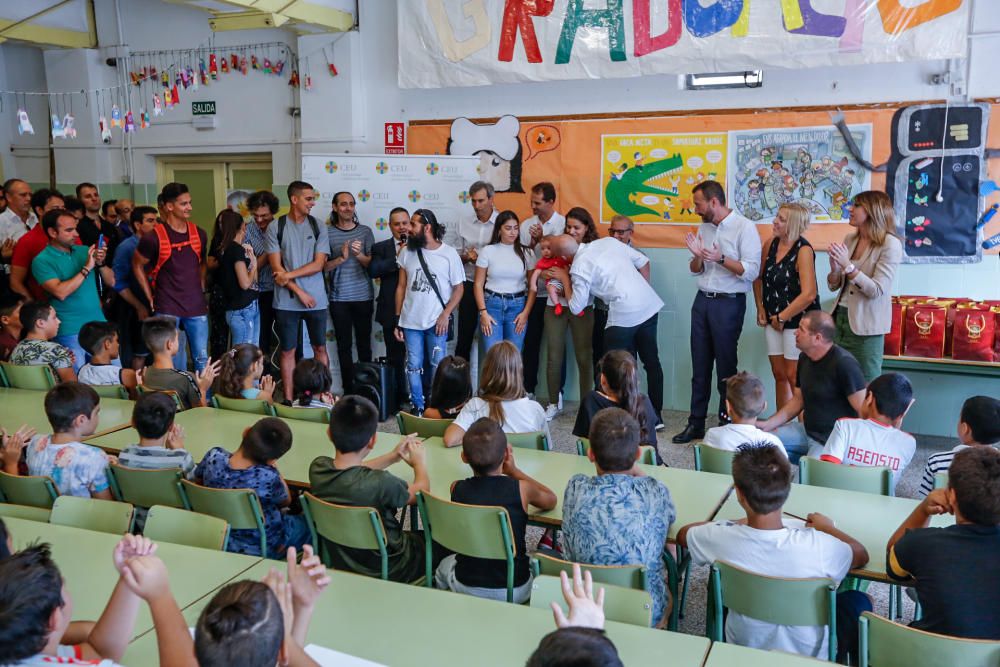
(623, 190)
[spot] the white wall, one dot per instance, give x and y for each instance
(22, 68)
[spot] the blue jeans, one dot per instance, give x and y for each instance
(424, 350)
(504, 309)
(196, 331)
(244, 324)
(797, 442)
(72, 343)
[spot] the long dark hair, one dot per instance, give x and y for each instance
(228, 224)
(583, 215)
(310, 380)
(427, 217)
(503, 219)
(619, 370)
(452, 386)
(235, 367)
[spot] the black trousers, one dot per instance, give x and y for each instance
(468, 322)
(532, 348)
(352, 324)
(268, 340)
(395, 352)
(716, 325)
(600, 324)
(640, 340)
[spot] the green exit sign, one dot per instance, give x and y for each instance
(203, 108)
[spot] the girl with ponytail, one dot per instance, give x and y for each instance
(240, 374)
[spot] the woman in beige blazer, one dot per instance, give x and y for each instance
(862, 268)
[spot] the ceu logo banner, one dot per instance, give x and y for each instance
(381, 224)
(464, 197)
(381, 168)
(433, 168)
(330, 167)
(413, 196)
(364, 195)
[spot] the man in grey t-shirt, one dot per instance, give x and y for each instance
(297, 259)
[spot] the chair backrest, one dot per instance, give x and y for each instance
(145, 488)
(624, 605)
(623, 576)
(39, 378)
(36, 491)
(238, 507)
(106, 516)
(353, 527)
(142, 391)
(321, 415)
(179, 526)
(713, 459)
(251, 405)
(4, 382)
(941, 480)
(647, 457)
(110, 390)
(771, 599)
(422, 426)
(531, 440)
(889, 644)
(848, 478)
(25, 512)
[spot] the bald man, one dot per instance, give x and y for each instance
(123, 221)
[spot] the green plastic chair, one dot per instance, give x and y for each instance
(479, 531)
(941, 480)
(106, 516)
(178, 526)
(3, 378)
(713, 459)
(253, 406)
(648, 456)
(847, 478)
(26, 512)
(623, 576)
(239, 507)
(39, 378)
(321, 415)
(110, 390)
(624, 605)
(887, 644)
(145, 488)
(533, 440)
(35, 491)
(142, 391)
(422, 426)
(770, 599)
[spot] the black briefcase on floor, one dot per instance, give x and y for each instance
(377, 382)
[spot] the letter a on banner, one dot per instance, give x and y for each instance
(612, 18)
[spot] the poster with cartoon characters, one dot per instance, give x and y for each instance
(649, 177)
(809, 165)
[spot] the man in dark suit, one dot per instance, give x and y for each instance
(383, 266)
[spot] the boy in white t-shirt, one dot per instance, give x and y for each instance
(744, 403)
(100, 340)
(875, 438)
(773, 545)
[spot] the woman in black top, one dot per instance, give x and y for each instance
(237, 276)
(451, 388)
(785, 289)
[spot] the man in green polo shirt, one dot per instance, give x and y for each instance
(65, 271)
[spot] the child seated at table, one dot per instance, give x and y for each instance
(241, 374)
(76, 469)
(10, 323)
(496, 480)
(311, 385)
(41, 324)
(769, 544)
(744, 403)
(875, 439)
(161, 440)
(978, 424)
(253, 466)
(161, 337)
(620, 516)
(100, 340)
(955, 569)
(36, 608)
(451, 388)
(350, 479)
(255, 623)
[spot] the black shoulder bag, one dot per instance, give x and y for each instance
(433, 281)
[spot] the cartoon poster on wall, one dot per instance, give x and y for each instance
(809, 165)
(649, 177)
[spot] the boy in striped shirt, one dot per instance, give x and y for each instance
(978, 424)
(161, 441)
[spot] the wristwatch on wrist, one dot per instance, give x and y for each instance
(721, 260)
(850, 269)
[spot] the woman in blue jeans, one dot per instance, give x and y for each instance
(237, 274)
(501, 284)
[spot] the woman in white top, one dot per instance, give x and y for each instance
(501, 284)
(501, 398)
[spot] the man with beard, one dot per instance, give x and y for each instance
(385, 267)
(94, 223)
(726, 258)
(431, 282)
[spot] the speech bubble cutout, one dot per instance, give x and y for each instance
(658, 153)
(714, 157)
(694, 162)
(540, 139)
(649, 200)
(614, 157)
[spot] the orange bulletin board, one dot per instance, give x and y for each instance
(569, 155)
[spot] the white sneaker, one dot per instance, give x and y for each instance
(559, 402)
(551, 411)
(660, 426)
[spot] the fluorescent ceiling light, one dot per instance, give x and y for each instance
(747, 79)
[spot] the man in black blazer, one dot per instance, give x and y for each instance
(383, 266)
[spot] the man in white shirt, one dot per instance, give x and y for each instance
(16, 220)
(429, 290)
(771, 544)
(546, 221)
(726, 259)
(474, 230)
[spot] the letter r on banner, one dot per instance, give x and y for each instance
(517, 17)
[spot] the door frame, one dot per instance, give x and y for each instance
(221, 164)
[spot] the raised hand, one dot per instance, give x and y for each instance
(132, 546)
(146, 576)
(585, 610)
(307, 579)
(694, 244)
(266, 388)
(175, 437)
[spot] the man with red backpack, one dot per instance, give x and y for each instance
(169, 268)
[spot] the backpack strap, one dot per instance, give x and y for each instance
(166, 248)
